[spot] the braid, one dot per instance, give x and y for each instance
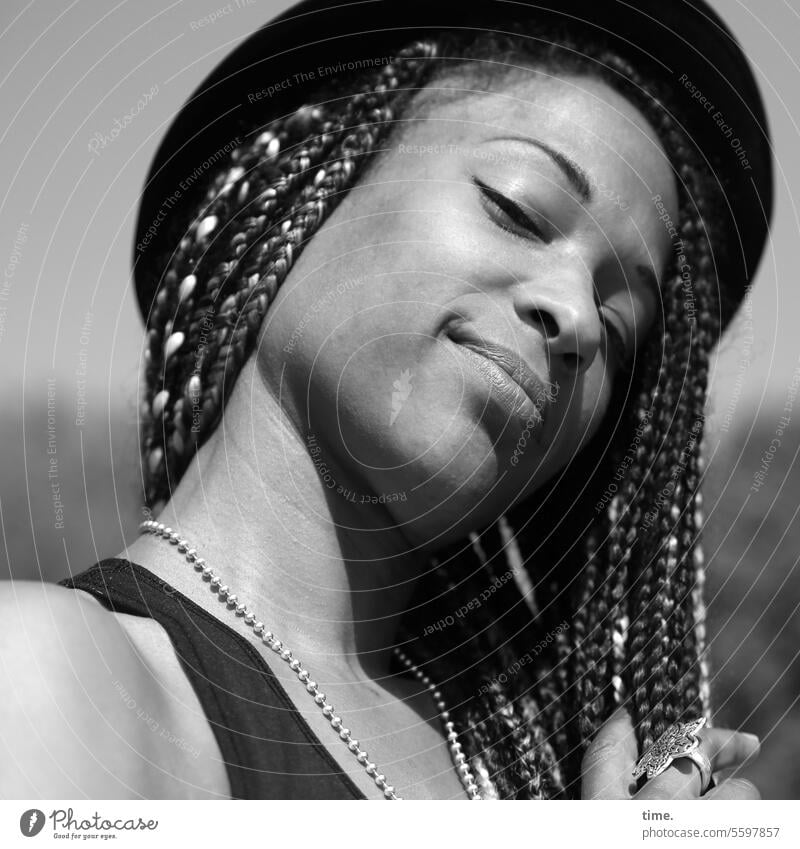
(626, 579)
(518, 772)
(261, 209)
(666, 682)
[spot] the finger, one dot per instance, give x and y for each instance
(682, 780)
(608, 763)
(734, 788)
(726, 748)
(729, 772)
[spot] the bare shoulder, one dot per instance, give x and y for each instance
(76, 691)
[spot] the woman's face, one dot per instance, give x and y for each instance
(450, 336)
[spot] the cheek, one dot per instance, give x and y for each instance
(586, 405)
(599, 391)
(382, 376)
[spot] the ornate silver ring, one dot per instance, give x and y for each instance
(680, 740)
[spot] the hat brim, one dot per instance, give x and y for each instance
(682, 41)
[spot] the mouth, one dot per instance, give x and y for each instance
(517, 387)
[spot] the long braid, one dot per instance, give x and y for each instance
(528, 732)
(689, 574)
(668, 682)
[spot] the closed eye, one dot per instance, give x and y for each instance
(509, 211)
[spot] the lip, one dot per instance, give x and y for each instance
(518, 385)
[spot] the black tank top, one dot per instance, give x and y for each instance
(270, 752)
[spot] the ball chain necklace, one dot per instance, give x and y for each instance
(269, 639)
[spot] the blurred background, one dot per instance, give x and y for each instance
(72, 73)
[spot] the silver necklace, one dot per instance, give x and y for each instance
(269, 639)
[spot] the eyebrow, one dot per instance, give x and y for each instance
(571, 170)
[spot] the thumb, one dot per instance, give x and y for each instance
(609, 761)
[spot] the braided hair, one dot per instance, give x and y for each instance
(551, 630)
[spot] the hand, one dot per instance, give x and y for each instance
(610, 759)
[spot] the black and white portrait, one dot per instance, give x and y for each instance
(401, 403)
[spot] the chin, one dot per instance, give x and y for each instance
(446, 464)
(448, 497)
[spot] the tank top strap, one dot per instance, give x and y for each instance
(270, 752)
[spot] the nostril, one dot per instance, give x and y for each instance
(548, 323)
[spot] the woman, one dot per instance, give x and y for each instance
(457, 306)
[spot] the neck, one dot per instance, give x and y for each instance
(329, 577)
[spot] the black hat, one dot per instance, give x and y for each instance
(681, 41)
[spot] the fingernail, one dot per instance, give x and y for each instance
(752, 739)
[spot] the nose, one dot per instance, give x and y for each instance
(566, 315)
